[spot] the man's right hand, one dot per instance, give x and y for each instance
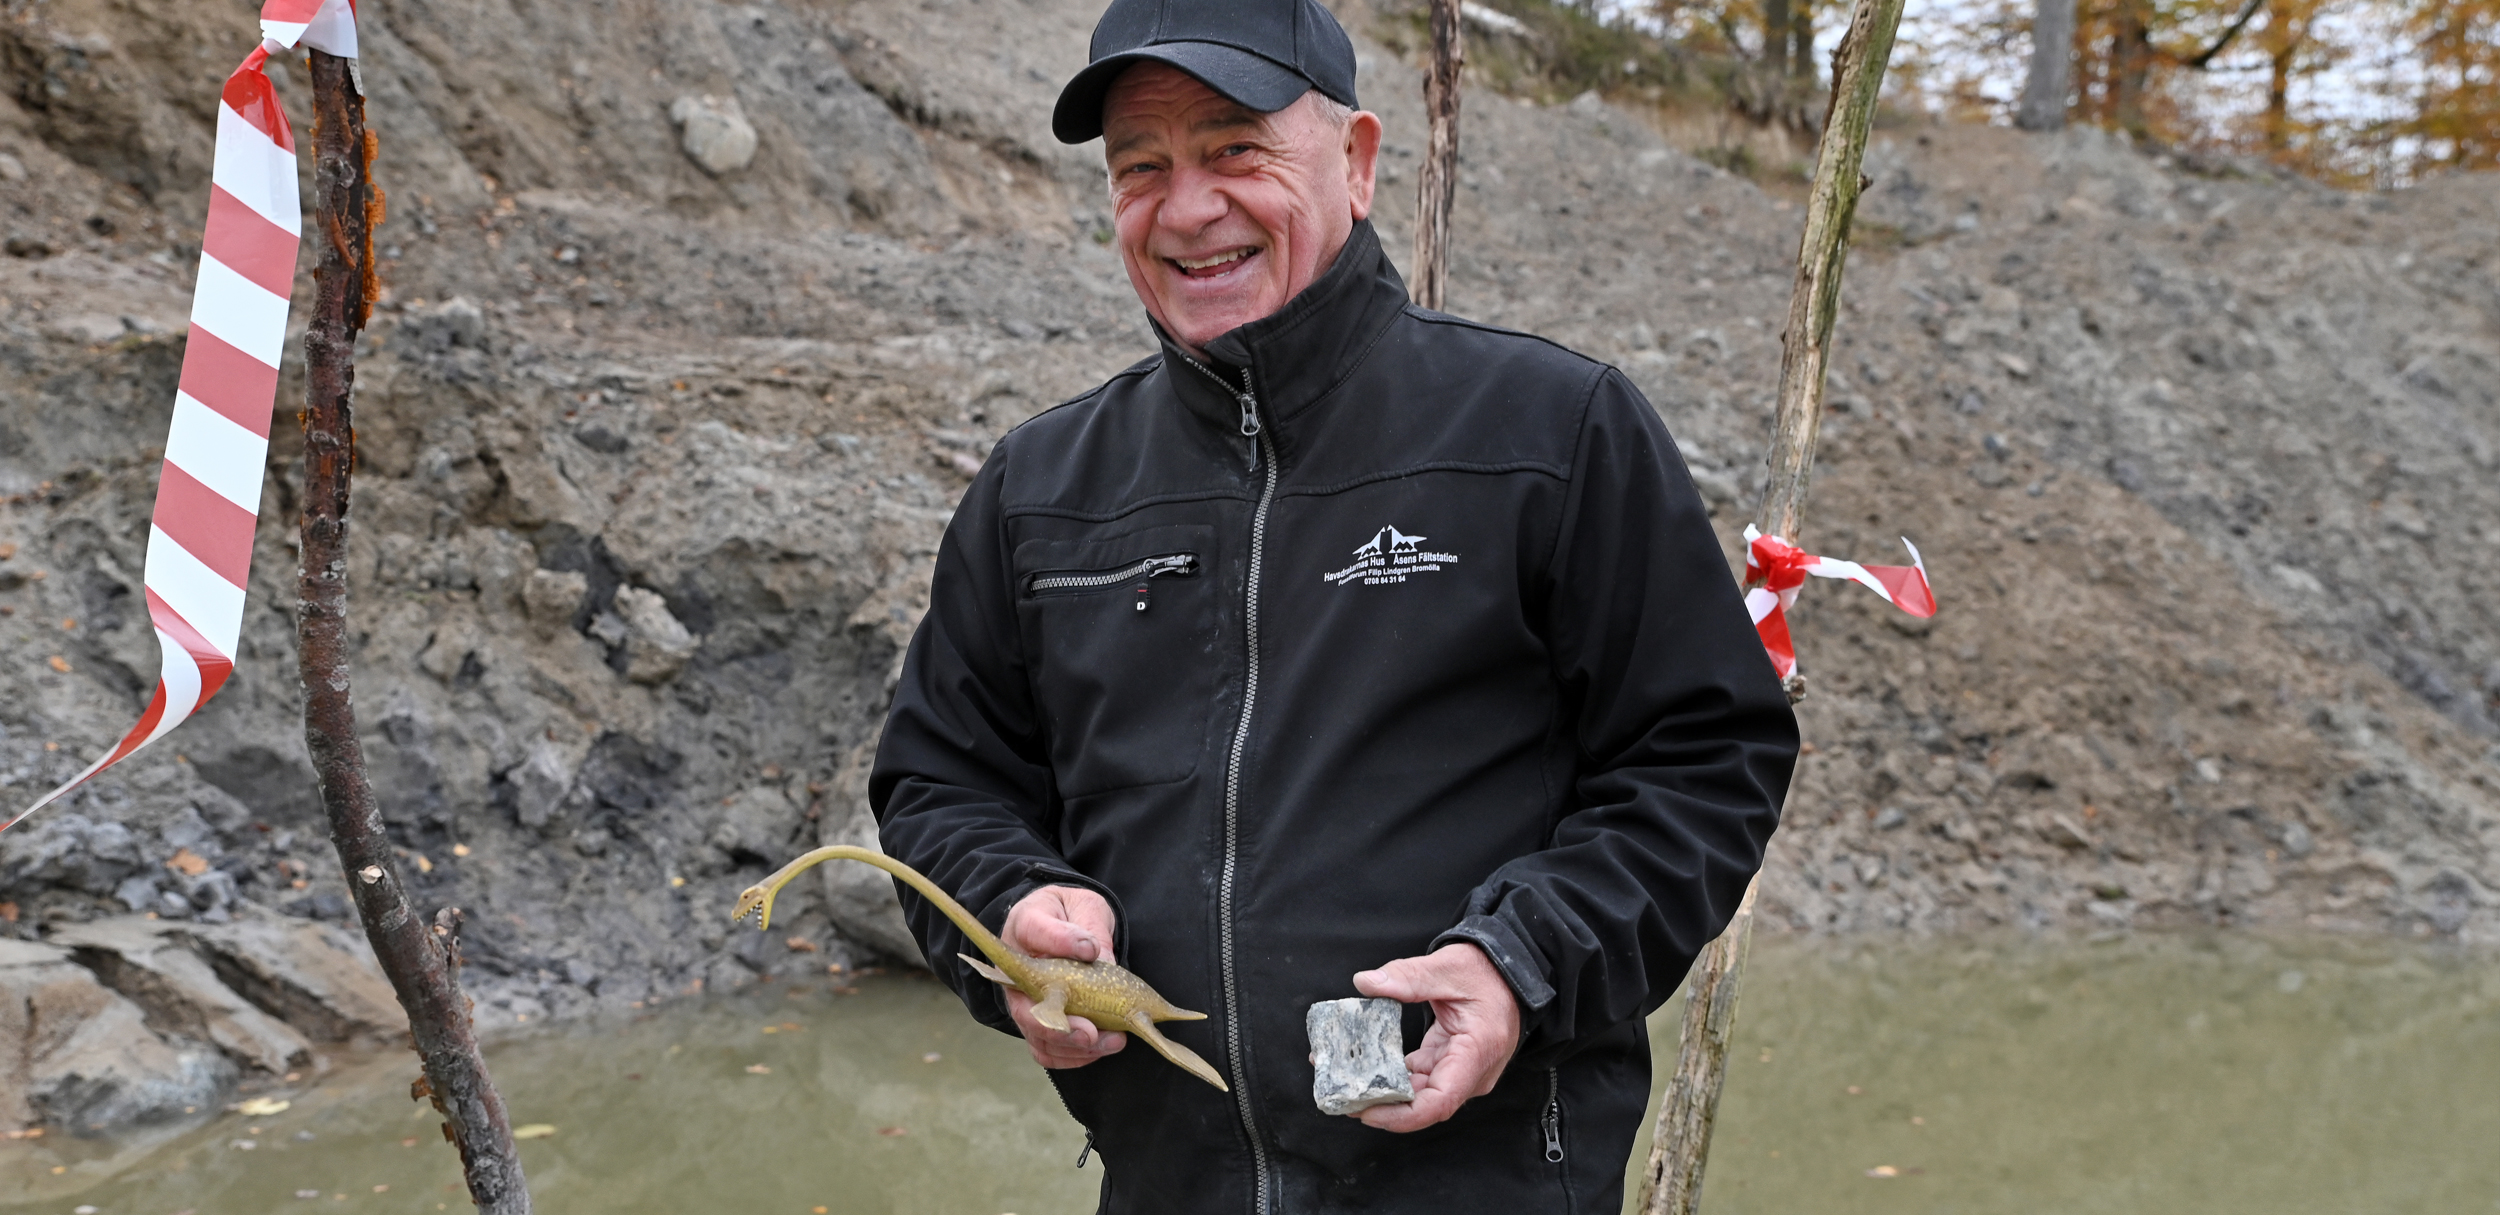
(1061, 922)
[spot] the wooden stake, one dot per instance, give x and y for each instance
(418, 958)
(1671, 1185)
(1437, 186)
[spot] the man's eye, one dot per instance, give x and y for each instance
(1239, 149)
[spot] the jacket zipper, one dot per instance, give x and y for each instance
(1141, 572)
(1552, 1121)
(1264, 452)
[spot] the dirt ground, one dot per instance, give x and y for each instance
(654, 460)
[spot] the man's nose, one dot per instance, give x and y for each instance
(1195, 200)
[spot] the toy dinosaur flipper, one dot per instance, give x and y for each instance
(1144, 1027)
(1052, 1010)
(987, 971)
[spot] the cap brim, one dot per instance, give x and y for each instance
(1252, 80)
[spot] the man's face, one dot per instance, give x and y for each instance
(1225, 213)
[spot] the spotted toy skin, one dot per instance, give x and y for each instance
(1102, 992)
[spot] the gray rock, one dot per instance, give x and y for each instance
(716, 132)
(551, 597)
(1357, 1058)
(657, 644)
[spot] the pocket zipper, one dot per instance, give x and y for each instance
(1141, 572)
(1552, 1121)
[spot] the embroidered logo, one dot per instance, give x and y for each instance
(1390, 556)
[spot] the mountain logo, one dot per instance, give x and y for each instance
(1390, 557)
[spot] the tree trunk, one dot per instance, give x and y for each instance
(2043, 106)
(2131, 69)
(1672, 1181)
(1437, 185)
(418, 960)
(1777, 34)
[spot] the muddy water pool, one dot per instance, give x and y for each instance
(2141, 1075)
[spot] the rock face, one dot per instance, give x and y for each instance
(76, 1055)
(654, 460)
(1357, 1058)
(124, 1021)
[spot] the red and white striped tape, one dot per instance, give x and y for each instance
(208, 496)
(1777, 569)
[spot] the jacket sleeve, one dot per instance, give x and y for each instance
(1684, 739)
(961, 787)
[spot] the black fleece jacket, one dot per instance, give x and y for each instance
(1376, 630)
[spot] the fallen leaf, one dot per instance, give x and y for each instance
(407, 1143)
(7, 551)
(772, 1029)
(381, 1189)
(187, 863)
(931, 1057)
(800, 945)
(758, 1069)
(1915, 1120)
(60, 664)
(68, 624)
(8, 913)
(535, 1130)
(816, 1211)
(1883, 1170)
(892, 1132)
(1853, 1090)
(263, 1107)
(424, 865)
(792, 1026)
(675, 882)
(460, 850)
(308, 1193)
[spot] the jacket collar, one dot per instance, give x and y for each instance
(1303, 349)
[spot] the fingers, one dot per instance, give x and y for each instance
(1061, 922)
(1080, 1044)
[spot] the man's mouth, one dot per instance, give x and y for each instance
(1213, 266)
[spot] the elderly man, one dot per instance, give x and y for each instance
(1338, 647)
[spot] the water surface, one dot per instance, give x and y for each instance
(2142, 1075)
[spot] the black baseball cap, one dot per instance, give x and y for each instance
(1261, 53)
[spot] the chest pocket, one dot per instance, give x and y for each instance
(1123, 630)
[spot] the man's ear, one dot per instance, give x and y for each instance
(1362, 160)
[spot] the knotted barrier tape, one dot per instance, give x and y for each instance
(208, 497)
(1776, 569)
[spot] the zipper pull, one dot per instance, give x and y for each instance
(1249, 407)
(1088, 1153)
(1553, 1133)
(1145, 595)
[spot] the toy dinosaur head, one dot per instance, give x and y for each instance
(758, 899)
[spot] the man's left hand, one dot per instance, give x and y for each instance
(1475, 1029)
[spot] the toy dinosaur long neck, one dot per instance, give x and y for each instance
(982, 938)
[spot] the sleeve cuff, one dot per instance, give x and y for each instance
(1520, 965)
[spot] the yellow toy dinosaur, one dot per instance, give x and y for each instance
(1100, 991)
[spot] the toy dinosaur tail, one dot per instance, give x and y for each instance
(759, 897)
(1144, 1027)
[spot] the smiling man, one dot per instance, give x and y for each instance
(1339, 647)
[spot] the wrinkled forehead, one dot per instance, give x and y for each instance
(1156, 102)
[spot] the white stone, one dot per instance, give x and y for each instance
(1357, 1057)
(717, 133)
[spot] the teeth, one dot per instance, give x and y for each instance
(1218, 260)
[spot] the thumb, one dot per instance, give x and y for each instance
(1401, 980)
